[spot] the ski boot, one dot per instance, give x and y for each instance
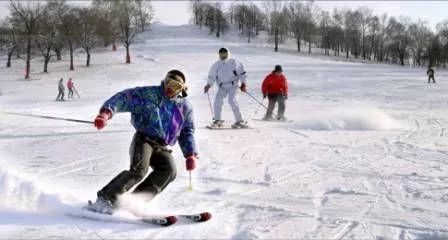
(268, 118)
(102, 205)
(282, 118)
(217, 124)
(240, 124)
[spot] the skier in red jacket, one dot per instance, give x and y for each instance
(275, 87)
(70, 87)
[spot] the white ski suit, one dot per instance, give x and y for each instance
(227, 74)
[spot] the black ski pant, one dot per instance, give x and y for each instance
(70, 93)
(433, 80)
(273, 99)
(60, 96)
(144, 153)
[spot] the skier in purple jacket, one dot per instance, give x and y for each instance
(161, 116)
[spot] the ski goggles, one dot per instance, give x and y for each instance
(174, 84)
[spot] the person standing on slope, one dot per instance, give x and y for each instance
(227, 73)
(70, 86)
(61, 90)
(161, 115)
(275, 87)
(430, 74)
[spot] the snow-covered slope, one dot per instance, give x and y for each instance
(363, 155)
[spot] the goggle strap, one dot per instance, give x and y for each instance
(175, 77)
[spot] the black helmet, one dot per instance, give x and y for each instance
(278, 68)
(223, 50)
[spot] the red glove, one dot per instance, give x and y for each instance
(243, 87)
(190, 162)
(100, 120)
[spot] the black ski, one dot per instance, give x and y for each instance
(160, 220)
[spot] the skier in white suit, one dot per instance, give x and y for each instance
(227, 73)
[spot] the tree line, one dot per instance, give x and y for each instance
(49, 29)
(350, 33)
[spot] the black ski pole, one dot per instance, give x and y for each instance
(48, 117)
(261, 104)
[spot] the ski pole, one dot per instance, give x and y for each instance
(210, 104)
(76, 91)
(190, 186)
(261, 104)
(256, 111)
(48, 117)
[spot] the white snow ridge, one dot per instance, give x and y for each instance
(353, 119)
(19, 193)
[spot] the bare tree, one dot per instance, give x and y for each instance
(365, 15)
(352, 33)
(276, 16)
(336, 31)
(374, 27)
(435, 55)
(125, 12)
(88, 18)
(199, 9)
(420, 36)
(296, 15)
(145, 13)
(220, 20)
(248, 18)
(211, 16)
(45, 39)
(26, 15)
(195, 6)
(57, 9)
(381, 37)
(311, 12)
(8, 40)
(399, 35)
(325, 26)
(108, 27)
(70, 31)
(442, 29)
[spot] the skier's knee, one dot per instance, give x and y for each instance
(233, 102)
(172, 173)
(139, 173)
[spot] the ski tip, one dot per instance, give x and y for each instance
(205, 216)
(170, 220)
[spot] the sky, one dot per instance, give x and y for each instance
(177, 12)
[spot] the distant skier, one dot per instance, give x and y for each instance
(160, 115)
(227, 73)
(275, 87)
(430, 74)
(70, 87)
(61, 90)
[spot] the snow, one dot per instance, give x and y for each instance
(363, 154)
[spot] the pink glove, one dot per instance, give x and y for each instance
(101, 119)
(190, 162)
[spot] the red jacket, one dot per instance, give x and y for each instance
(275, 84)
(70, 84)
